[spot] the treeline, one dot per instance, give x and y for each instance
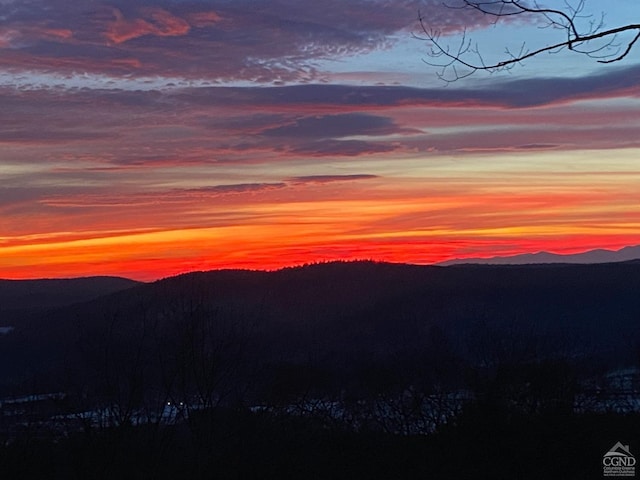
(483, 443)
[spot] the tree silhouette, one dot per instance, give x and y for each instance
(583, 33)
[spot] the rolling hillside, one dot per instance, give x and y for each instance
(344, 317)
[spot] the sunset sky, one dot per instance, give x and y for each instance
(146, 138)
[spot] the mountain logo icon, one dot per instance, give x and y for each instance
(619, 462)
(619, 450)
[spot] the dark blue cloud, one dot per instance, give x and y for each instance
(234, 188)
(522, 93)
(333, 126)
(245, 124)
(331, 178)
(342, 148)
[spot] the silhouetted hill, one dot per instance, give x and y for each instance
(350, 317)
(279, 371)
(46, 293)
(21, 297)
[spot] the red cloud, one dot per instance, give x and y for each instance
(159, 23)
(28, 33)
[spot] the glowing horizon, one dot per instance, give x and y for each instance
(154, 141)
(428, 214)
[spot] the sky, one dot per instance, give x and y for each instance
(149, 138)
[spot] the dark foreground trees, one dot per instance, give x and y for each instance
(483, 444)
(581, 32)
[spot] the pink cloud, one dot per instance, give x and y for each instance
(22, 34)
(158, 22)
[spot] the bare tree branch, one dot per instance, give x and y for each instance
(579, 40)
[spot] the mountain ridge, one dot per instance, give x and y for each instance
(20, 298)
(595, 256)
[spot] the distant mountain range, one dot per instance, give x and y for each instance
(592, 256)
